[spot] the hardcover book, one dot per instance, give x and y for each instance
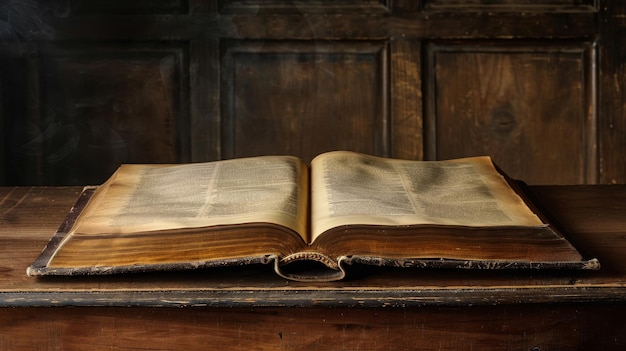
(308, 221)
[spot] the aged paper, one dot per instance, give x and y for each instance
(143, 198)
(353, 188)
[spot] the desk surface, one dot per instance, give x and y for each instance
(594, 218)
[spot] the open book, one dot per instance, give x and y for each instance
(310, 222)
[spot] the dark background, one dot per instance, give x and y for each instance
(540, 85)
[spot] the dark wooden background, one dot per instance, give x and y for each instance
(85, 85)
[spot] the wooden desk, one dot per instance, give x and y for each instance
(250, 308)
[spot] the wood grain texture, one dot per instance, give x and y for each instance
(493, 99)
(612, 124)
(407, 141)
(514, 327)
(299, 98)
(504, 5)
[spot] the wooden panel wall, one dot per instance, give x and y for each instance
(87, 85)
(528, 105)
(304, 98)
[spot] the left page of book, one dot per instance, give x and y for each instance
(141, 198)
(156, 214)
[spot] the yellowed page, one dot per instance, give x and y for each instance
(351, 188)
(139, 198)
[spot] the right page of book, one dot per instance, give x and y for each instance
(351, 188)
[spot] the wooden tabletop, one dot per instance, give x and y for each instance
(594, 218)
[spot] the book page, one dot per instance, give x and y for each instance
(351, 188)
(137, 198)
